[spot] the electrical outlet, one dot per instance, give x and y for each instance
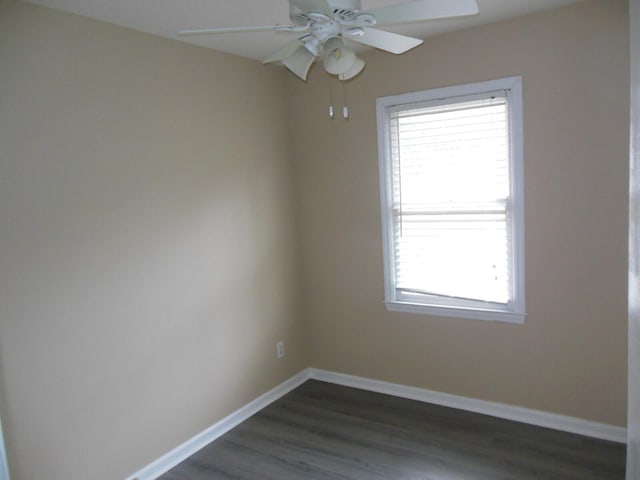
(280, 349)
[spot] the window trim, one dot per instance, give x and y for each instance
(514, 312)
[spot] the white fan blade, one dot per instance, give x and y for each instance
(421, 10)
(285, 52)
(300, 62)
(388, 41)
(312, 6)
(212, 31)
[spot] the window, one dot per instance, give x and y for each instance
(451, 191)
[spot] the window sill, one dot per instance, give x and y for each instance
(457, 312)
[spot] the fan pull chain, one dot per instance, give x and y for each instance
(345, 108)
(331, 113)
(345, 101)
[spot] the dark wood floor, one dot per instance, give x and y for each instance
(322, 431)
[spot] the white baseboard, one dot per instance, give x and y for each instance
(201, 440)
(499, 410)
(519, 414)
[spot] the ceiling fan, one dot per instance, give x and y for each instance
(324, 25)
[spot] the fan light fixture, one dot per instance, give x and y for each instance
(338, 59)
(324, 24)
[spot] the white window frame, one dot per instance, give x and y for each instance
(514, 310)
(4, 466)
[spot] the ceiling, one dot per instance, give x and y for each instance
(165, 17)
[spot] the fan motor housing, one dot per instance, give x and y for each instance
(343, 9)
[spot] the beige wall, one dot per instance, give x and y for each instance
(146, 243)
(148, 253)
(570, 356)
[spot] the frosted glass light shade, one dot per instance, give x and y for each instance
(338, 59)
(300, 62)
(355, 69)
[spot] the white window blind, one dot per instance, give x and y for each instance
(451, 189)
(450, 203)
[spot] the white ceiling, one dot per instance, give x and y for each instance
(165, 17)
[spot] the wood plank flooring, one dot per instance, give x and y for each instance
(322, 431)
